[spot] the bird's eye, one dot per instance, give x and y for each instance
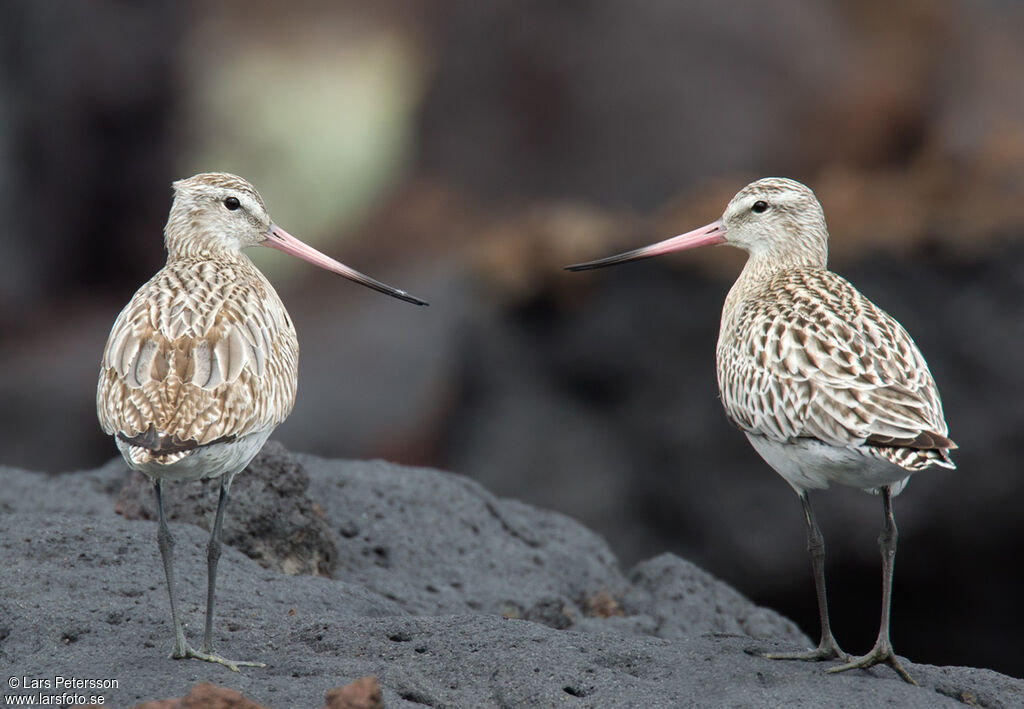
(232, 203)
(759, 207)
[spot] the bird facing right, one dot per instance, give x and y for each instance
(202, 364)
(827, 387)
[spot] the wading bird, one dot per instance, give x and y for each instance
(202, 363)
(827, 387)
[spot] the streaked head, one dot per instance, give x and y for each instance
(217, 212)
(774, 217)
(777, 216)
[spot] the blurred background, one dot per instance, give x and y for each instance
(466, 151)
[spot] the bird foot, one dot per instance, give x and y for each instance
(828, 649)
(881, 653)
(189, 653)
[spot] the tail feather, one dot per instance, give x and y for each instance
(914, 458)
(926, 440)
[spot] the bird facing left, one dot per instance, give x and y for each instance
(202, 363)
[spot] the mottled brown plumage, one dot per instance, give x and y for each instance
(202, 363)
(827, 387)
(802, 354)
(204, 351)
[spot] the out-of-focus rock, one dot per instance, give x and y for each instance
(621, 103)
(204, 696)
(362, 693)
(87, 152)
(629, 104)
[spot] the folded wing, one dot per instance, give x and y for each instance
(812, 357)
(201, 353)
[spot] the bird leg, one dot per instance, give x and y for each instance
(827, 648)
(882, 651)
(212, 557)
(165, 541)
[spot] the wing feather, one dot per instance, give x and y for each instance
(199, 354)
(807, 355)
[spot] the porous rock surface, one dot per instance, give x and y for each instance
(449, 596)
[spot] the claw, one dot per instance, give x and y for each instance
(879, 655)
(828, 649)
(188, 652)
(818, 654)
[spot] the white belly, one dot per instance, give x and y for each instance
(213, 461)
(807, 464)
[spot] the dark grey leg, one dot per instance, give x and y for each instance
(827, 647)
(165, 541)
(882, 652)
(212, 557)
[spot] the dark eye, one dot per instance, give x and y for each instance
(759, 206)
(232, 203)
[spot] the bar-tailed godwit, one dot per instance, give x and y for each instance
(827, 387)
(202, 363)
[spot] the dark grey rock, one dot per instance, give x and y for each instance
(528, 610)
(677, 596)
(441, 543)
(269, 517)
